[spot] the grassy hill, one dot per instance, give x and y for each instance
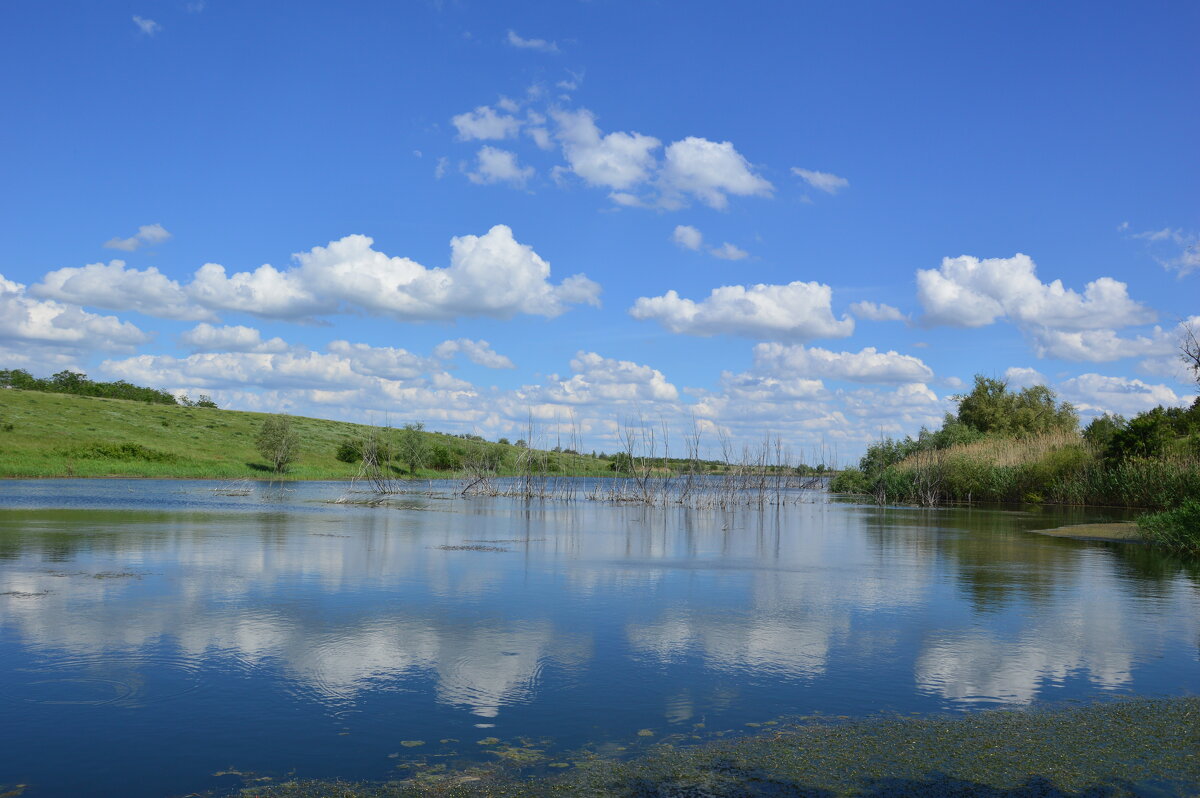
(60, 435)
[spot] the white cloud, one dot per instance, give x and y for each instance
(602, 379)
(208, 338)
(1186, 255)
(824, 181)
(499, 166)
(541, 137)
(687, 237)
(969, 292)
(485, 123)
(382, 361)
(868, 365)
(114, 287)
(60, 326)
(147, 26)
(146, 234)
(876, 312)
(491, 275)
(1100, 346)
(707, 170)
(616, 161)
(1021, 377)
(728, 251)
(797, 311)
(478, 352)
(1096, 393)
(541, 45)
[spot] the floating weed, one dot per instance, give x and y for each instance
(488, 741)
(519, 755)
(411, 743)
(1111, 748)
(645, 733)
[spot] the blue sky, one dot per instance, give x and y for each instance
(815, 219)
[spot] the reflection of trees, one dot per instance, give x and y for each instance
(993, 558)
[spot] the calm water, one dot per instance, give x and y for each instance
(155, 633)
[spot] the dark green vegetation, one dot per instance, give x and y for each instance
(1025, 446)
(76, 383)
(61, 435)
(1177, 528)
(1117, 748)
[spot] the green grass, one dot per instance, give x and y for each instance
(1111, 748)
(61, 435)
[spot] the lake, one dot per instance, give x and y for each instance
(163, 637)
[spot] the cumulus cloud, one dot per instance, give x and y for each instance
(728, 251)
(205, 337)
(616, 161)
(868, 365)
(485, 123)
(1022, 377)
(876, 312)
(115, 287)
(382, 361)
(1100, 346)
(708, 171)
(603, 379)
(823, 181)
(146, 234)
(541, 45)
(797, 311)
(969, 292)
(478, 352)
(61, 327)
(147, 26)
(499, 166)
(490, 275)
(687, 237)
(1097, 393)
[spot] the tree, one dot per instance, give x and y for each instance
(991, 408)
(414, 449)
(278, 442)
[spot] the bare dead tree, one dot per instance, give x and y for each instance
(1189, 350)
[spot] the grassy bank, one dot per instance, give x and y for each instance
(62, 435)
(1055, 468)
(1114, 748)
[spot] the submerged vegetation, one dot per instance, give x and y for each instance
(1112, 748)
(1003, 446)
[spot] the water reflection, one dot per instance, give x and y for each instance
(589, 620)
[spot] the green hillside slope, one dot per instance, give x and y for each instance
(59, 435)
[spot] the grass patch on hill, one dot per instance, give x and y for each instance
(63, 435)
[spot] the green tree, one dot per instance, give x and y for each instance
(278, 442)
(991, 408)
(414, 449)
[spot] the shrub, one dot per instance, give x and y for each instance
(349, 451)
(1177, 529)
(119, 451)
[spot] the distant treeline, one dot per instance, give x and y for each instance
(74, 382)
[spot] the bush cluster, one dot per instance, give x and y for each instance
(77, 383)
